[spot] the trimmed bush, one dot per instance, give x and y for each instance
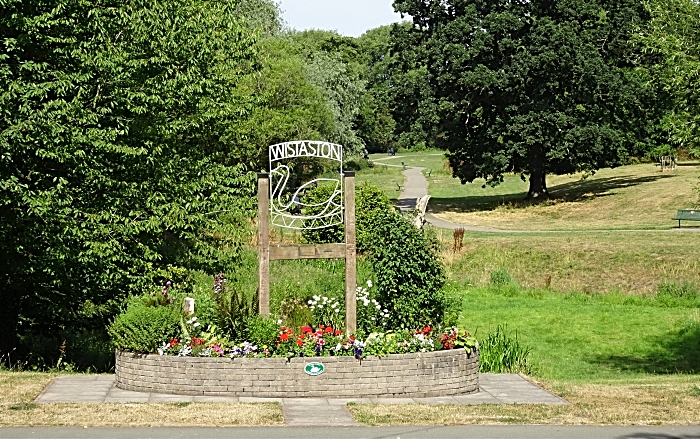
(142, 328)
(410, 275)
(262, 332)
(370, 201)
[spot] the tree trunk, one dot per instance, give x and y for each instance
(8, 324)
(538, 186)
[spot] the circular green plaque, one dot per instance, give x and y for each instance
(314, 369)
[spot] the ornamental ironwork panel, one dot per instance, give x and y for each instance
(289, 162)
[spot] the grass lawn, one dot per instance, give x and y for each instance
(581, 338)
(384, 177)
(617, 359)
(628, 197)
(629, 262)
(600, 312)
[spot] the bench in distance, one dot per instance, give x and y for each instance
(687, 215)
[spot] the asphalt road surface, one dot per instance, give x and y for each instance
(418, 432)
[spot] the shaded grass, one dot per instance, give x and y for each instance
(19, 389)
(583, 338)
(628, 262)
(670, 400)
(630, 197)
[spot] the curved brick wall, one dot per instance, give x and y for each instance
(439, 373)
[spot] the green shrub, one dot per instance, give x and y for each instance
(501, 278)
(262, 332)
(369, 202)
(233, 310)
(499, 353)
(319, 195)
(143, 328)
(410, 276)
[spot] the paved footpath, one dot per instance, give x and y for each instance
(417, 432)
(493, 389)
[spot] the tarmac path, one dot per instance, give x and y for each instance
(410, 432)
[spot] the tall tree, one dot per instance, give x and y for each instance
(534, 87)
(113, 171)
(671, 42)
(335, 68)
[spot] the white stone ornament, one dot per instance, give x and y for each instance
(188, 306)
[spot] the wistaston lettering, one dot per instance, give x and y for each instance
(306, 148)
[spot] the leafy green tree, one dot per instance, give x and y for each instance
(334, 68)
(288, 107)
(672, 43)
(375, 123)
(113, 172)
(534, 87)
(262, 15)
(343, 95)
(412, 98)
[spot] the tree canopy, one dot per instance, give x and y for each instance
(113, 172)
(534, 87)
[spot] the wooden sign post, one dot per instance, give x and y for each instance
(347, 250)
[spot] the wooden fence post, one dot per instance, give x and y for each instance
(350, 255)
(263, 244)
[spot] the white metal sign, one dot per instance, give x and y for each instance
(288, 207)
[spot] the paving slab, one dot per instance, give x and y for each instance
(493, 389)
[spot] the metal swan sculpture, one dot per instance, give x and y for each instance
(329, 208)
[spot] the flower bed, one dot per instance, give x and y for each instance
(419, 374)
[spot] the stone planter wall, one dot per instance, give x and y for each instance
(440, 373)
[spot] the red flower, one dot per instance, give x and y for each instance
(284, 337)
(328, 330)
(321, 326)
(426, 330)
(196, 341)
(337, 332)
(300, 341)
(306, 330)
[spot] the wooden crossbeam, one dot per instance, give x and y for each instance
(306, 251)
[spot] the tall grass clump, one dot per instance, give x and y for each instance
(500, 353)
(673, 294)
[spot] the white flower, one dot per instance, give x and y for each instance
(320, 305)
(369, 283)
(317, 298)
(378, 307)
(310, 302)
(337, 310)
(279, 322)
(195, 324)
